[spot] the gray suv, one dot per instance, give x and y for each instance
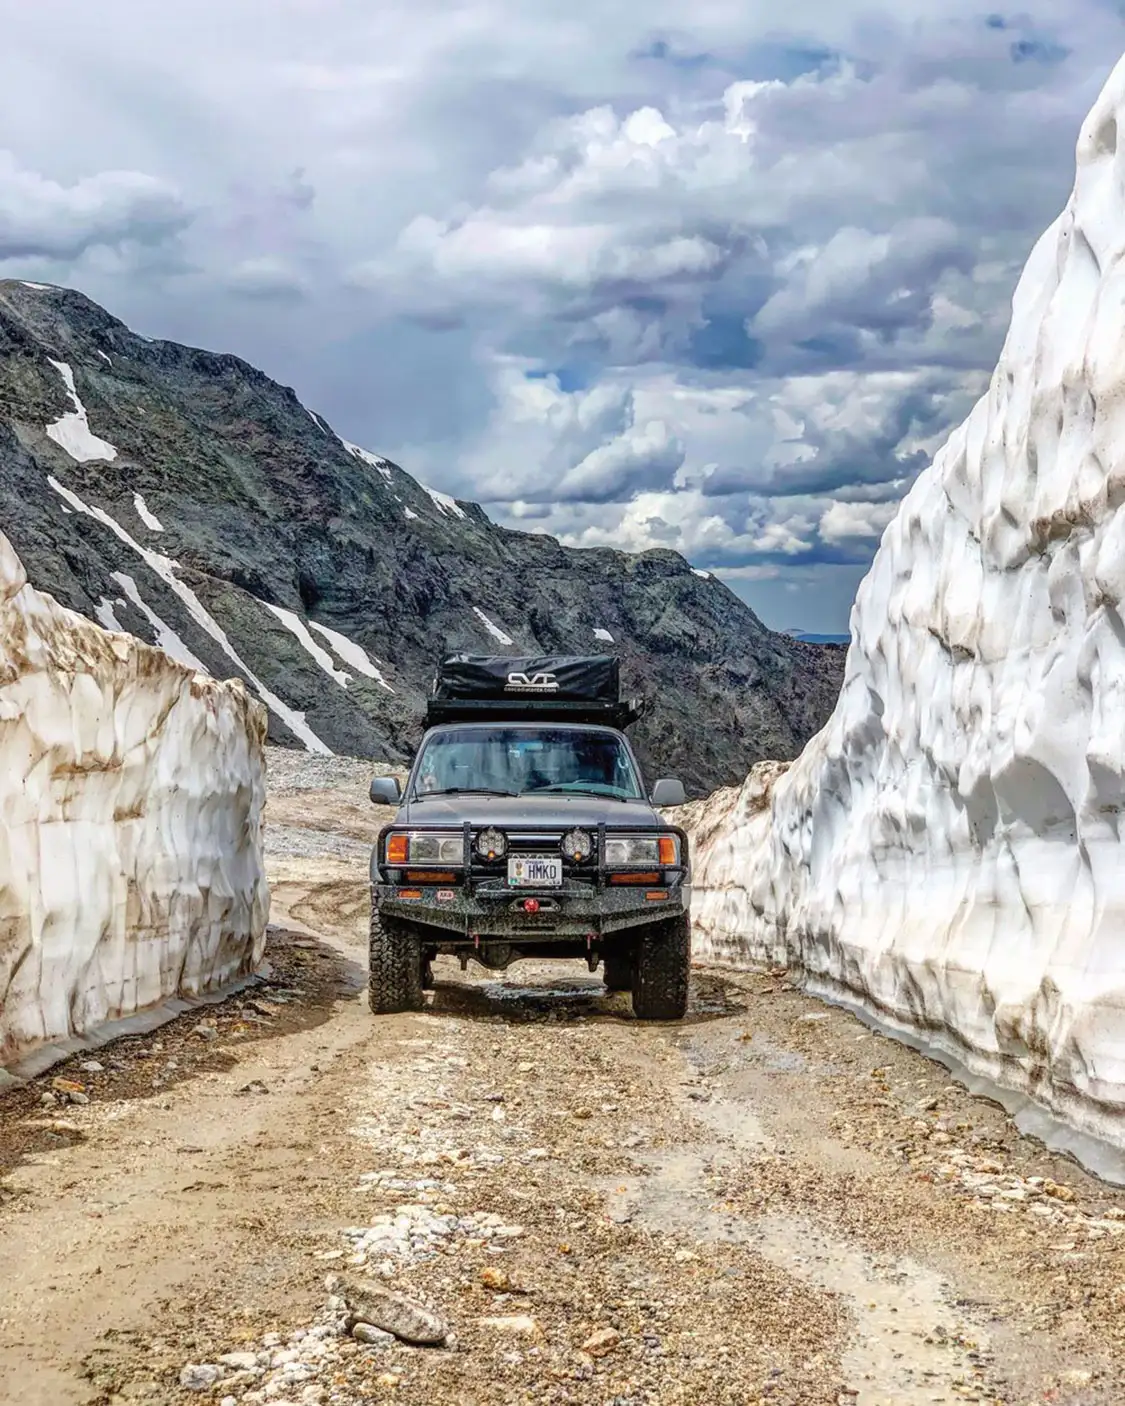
(524, 830)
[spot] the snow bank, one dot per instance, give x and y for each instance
(131, 792)
(948, 851)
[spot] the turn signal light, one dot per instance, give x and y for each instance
(430, 876)
(398, 849)
(667, 849)
(655, 895)
(653, 878)
(410, 893)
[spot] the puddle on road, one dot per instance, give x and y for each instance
(909, 1344)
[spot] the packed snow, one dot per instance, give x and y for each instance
(600, 634)
(444, 503)
(166, 637)
(149, 519)
(947, 852)
(493, 629)
(39, 287)
(72, 431)
(132, 794)
(706, 575)
(166, 569)
(409, 514)
(319, 423)
(352, 654)
(367, 457)
(297, 626)
(105, 358)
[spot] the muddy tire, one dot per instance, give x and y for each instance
(394, 971)
(617, 971)
(663, 966)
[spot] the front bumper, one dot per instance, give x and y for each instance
(490, 909)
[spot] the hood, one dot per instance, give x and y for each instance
(548, 811)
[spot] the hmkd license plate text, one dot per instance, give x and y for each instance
(529, 871)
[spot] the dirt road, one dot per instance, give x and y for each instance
(767, 1203)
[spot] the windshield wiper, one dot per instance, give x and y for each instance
(568, 790)
(463, 791)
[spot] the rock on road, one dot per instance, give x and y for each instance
(261, 1201)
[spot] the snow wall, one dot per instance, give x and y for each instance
(948, 851)
(131, 795)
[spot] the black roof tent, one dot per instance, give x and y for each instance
(536, 688)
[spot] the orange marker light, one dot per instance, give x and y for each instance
(667, 849)
(398, 849)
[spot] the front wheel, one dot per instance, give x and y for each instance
(394, 973)
(663, 965)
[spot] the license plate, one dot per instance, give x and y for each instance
(533, 871)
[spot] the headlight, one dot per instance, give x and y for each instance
(621, 852)
(426, 847)
(577, 845)
(492, 843)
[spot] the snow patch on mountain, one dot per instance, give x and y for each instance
(600, 634)
(444, 503)
(297, 626)
(373, 460)
(72, 431)
(166, 569)
(166, 638)
(150, 520)
(493, 629)
(352, 654)
(948, 850)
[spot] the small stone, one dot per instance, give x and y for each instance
(229, 1401)
(91, 1066)
(497, 1279)
(206, 1030)
(518, 1324)
(1058, 1191)
(388, 1379)
(372, 1336)
(239, 1361)
(200, 1376)
(79, 1099)
(369, 1302)
(940, 1139)
(684, 1256)
(602, 1342)
(48, 1101)
(581, 1113)
(255, 1086)
(1076, 1377)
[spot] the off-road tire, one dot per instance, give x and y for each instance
(394, 971)
(662, 969)
(617, 971)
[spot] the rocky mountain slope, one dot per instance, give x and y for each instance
(948, 850)
(186, 498)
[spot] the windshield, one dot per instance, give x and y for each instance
(520, 761)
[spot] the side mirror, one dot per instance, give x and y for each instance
(667, 792)
(385, 791)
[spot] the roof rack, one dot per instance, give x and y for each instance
(539, 688)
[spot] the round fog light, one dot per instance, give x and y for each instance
(577, 845)
(492, 843)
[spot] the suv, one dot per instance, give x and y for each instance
(524, 831)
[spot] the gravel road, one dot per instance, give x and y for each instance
(767, 1203)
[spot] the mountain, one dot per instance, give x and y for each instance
(184, 497)
(948, 851)
(817, 639)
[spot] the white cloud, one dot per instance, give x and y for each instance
(848, 521)
(47, 219)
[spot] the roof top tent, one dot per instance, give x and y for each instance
(583, 688)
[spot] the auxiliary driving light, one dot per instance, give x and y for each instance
(577, 845)
(491, 843)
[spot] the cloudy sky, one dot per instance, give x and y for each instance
(717, 275)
